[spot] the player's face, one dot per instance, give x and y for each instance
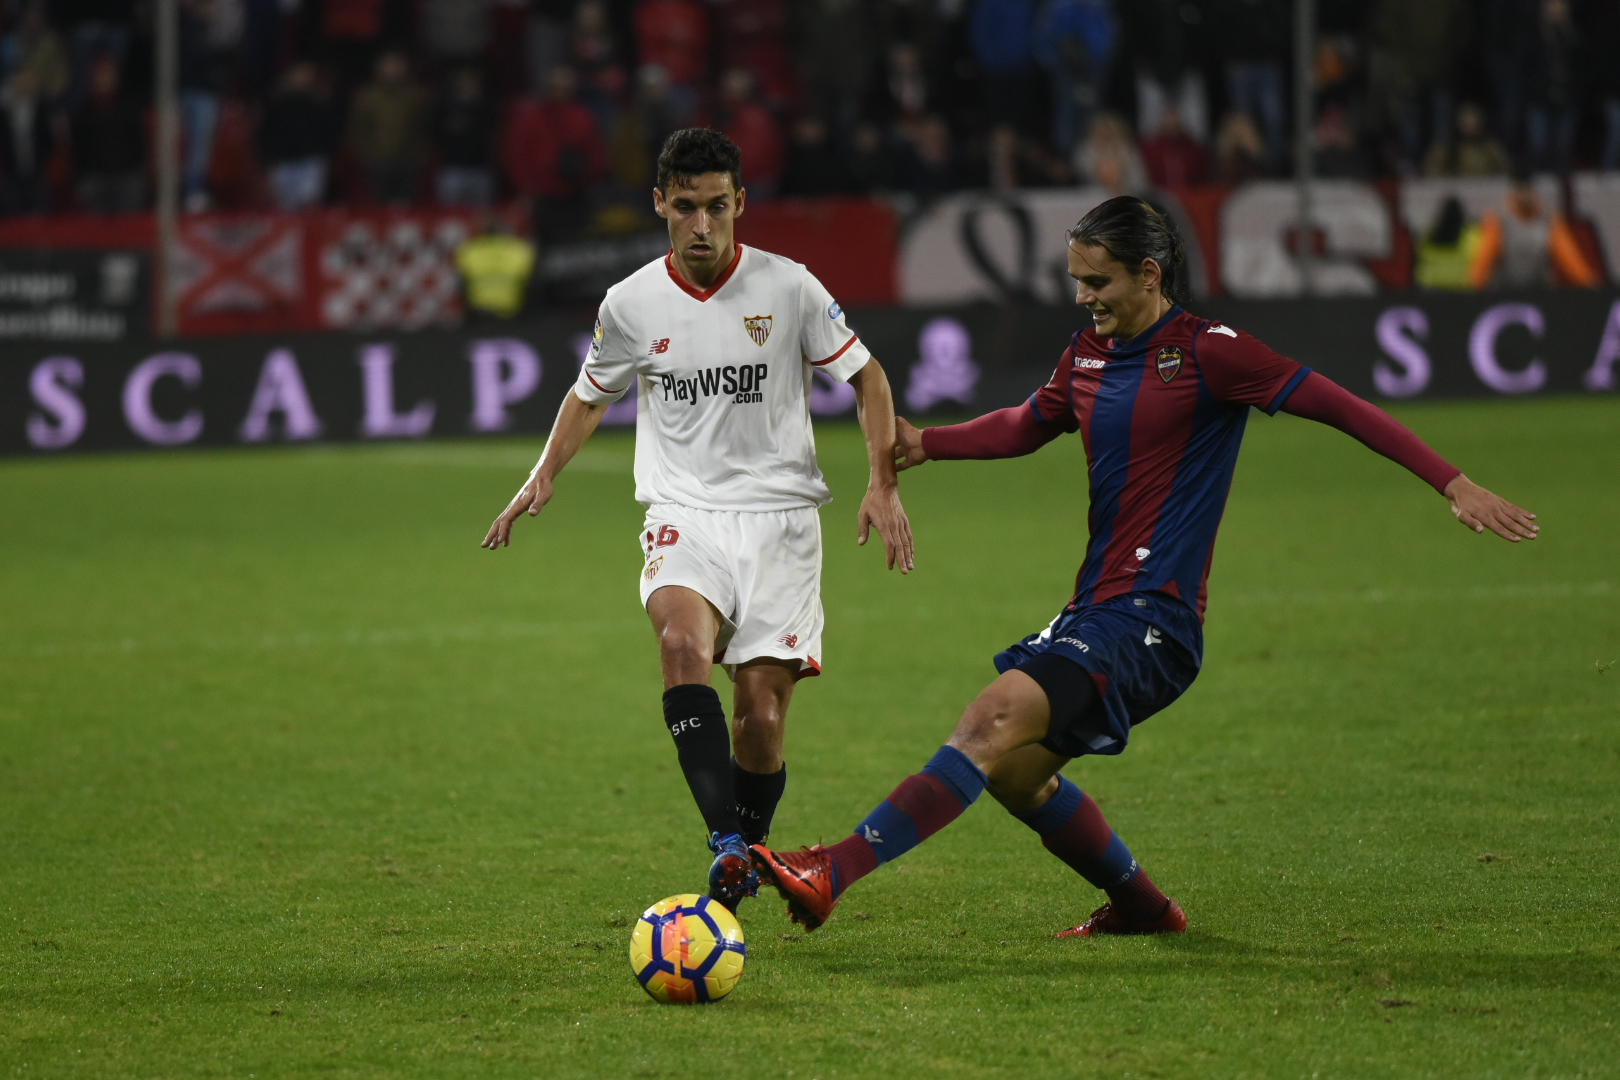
(1122, 304)
(701, 218)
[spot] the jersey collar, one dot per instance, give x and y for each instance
(1140, 341)
(692, 290)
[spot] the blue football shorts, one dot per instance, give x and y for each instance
(1142, 651)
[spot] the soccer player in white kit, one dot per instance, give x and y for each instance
(719, 343)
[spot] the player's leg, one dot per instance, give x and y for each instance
(686, 625)
(1011, 712)
(1072, 827)
(763, 689)
(1066, 820)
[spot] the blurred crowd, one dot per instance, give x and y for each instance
(564, 103)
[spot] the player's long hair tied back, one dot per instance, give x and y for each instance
(1131, 230)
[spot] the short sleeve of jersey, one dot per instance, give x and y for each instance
(610, 367)
(1053, 403)
(826, 340)
(1239, 369)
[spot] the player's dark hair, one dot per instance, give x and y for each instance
(1130, 230)
(691, 152)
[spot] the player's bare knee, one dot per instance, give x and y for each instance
(679, 647)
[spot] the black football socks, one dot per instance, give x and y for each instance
(757, 796)
(697, 720)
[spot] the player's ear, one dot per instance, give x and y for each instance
(658, 203)
(1152, 273)
(741, 201)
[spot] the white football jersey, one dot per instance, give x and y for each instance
(722, 380)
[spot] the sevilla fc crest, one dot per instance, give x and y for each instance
(758, 327)
(1169, 362)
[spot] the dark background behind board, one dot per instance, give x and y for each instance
(1015, 348)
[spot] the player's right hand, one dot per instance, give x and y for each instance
(1480, 509)
(908, 447)
(530, 499)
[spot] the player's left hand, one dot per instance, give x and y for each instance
(881, 508)
(1480, 509)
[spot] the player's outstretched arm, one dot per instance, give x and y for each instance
(576, 420)
(1325, 401)
(880, 507)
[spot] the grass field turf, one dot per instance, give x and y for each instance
(297, 781)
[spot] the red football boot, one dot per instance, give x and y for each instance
(804, 878)
(1105, 920)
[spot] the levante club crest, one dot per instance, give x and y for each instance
(1169, 362)
(758, 327)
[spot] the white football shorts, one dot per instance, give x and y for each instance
(761, 571)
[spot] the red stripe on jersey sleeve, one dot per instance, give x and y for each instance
(596, 384)
(852, 340)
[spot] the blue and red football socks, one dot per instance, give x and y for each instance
(921, 806)
(1072, 827)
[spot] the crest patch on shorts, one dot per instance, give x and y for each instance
(758, 327)
(653, 568)
(1169, 362)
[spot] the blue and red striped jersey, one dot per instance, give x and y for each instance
(1162, 417)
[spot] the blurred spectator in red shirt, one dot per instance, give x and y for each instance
(753, 129)
(554, 154)
(674, 34)
(753, 34)
(1174, 158)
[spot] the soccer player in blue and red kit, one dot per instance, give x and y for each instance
(1160, 397)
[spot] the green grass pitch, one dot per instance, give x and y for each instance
(297, 781)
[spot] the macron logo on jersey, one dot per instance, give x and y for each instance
(744, 384)
(1089, 362)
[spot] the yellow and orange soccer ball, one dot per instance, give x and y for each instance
(687, 950)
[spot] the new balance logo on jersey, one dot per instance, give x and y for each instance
(744, 384)
(789, 640)
(1152, 637)
(658, 347)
